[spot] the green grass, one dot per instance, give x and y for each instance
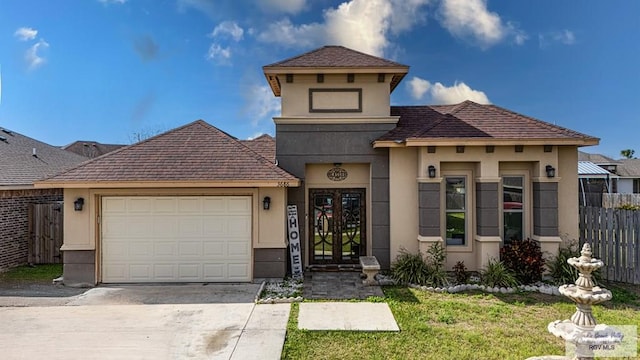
(453, 326)
(46, 272)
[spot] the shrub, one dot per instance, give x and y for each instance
(524, 258)
(496, 274)
(461, 273)
(416, 269)
(410, 268)
(561, 272)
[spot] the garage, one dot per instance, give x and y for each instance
(176, 239)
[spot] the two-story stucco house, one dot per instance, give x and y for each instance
(368, 178)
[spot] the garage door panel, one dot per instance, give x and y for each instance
(191, 205)
(238, 249)
(214, 249)
(214, 272)
(190, 272)
(190, 227)
(176, 239)
(238, 271)
(190, 249)
(139, 272)
(139, 205)
(239, 205)
(215, 205)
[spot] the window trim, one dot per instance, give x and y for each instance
(469, 209)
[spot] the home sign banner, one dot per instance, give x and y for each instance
(294, 241)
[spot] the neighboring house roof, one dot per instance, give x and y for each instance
(264, 145)
(194, 153)
(469, 121)
(24, 160)
(587, 169)
(334, 59)
(91, 149)
(629, 168)
(597, 158)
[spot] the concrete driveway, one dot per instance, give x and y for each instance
(214, 321)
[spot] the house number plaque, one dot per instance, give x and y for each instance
(337, 174)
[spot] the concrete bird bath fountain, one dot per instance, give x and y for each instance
(582, 329)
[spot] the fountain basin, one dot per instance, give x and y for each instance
(578, 295)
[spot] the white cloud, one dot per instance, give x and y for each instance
(418, 87)
(564, 37)
(444, 95)
(285, 33)
(33, 57)
(228, 28)
(113, 1)
(364, 25)
(26, 33)
(207, 7)
(284, 6)
(470, 19)
(219, 53)
(261, 104)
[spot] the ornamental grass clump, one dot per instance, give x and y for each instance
(496, 274)
(417, 269)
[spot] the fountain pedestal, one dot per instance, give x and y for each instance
(582, 330)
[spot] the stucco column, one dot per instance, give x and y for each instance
(487, 240)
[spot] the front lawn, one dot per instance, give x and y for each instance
(35, 273)
(440, 326)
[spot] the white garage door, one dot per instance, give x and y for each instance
(176, 239)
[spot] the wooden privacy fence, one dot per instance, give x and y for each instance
(45, 233)
(614, 236)
(616, 200)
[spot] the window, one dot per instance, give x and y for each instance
(636, 186)
(512, 208)
(456, 210)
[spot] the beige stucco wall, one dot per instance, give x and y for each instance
(408, 167)
(403, 200)
(295, 96)
(81, 228)
(568, 204)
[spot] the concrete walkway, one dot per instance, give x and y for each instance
(353, 316)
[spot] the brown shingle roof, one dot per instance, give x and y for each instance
(264, 145)
(629, 168)
(18, 166)
(335, 56)
(597, 158)
(194, 152)
(471, 120)
(334, 59)
(91, 149)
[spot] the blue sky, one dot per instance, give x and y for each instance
(105, 70)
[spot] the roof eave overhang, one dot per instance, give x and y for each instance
(167, 184)
(483, 142)
(271, 73)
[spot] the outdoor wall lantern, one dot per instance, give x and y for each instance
(78, 204)
(432, 171)
(266, 203)
(551, 171)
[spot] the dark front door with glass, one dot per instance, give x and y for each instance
(337, 224)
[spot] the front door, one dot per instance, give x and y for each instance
(338, 226)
